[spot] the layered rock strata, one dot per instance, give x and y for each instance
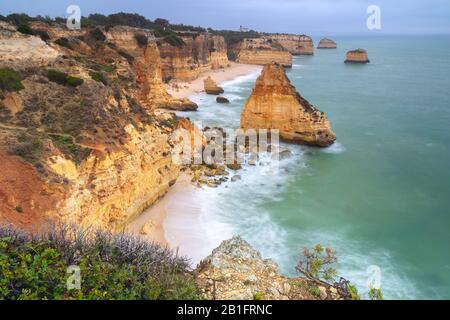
(188, 61)
(327, 44)
(261, 51)
(295, 44)
(357, 56)
(275, 104)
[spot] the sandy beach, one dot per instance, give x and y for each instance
(181, 89)
(177, 210)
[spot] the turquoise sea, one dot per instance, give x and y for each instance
(379, 196)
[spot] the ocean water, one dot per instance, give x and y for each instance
(379, 196)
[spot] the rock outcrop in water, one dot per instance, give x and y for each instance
(211, 86)
(275, 104)
(357, 56)
(295, 44)
(261, 51)
(327, 44)
(236, 271)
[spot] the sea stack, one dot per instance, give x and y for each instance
(357, 56)
(276, 104)
(211, 87)
(327, 44)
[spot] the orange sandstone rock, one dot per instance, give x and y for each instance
(357, 56)
(275, 104)
(211, 86)
(327, 44)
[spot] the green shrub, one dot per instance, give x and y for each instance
(375, 294)
(63, 78)
(42, 34)
(63, 42)
(25, 29)
(170, 37)
(141, 39)
(10, 80)
(98, 76)
(97, 35)
(67, 146)
(111, 266)
(258, 296)
(353, 291)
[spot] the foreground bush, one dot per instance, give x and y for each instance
(111, 267)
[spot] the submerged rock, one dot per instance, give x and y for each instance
(327, 44)
(357, 56)
(211, 87)
(275, 104)
(221, 99)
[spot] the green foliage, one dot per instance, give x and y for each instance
(97, 34)
(98, 76)
(141, 39)
(67, 146)
(25, 29)
(317, 263)
(42, 34)
(111, 267)
(170, 37)
(375, 294)
(63, 78)
(63, 42)
(10, 80)
(258, 296)
(315, 291)
(353, 291)
(28, 148)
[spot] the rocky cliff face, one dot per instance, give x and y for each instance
(275, 104)
(295, 44)
(357, 56)
(198, 54)
(147, 67)
(236, 271)
(327, 44)
(90, 151)
(261, 51)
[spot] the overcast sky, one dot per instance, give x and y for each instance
(315, 17)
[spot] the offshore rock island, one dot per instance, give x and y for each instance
(275, 104)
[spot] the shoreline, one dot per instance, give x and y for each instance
(185, 89)
(179, 202)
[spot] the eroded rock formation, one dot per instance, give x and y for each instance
(295, 44)
(327, 44)
(261, 51)
(186, 62)
(357, 56)
(95, 153)
(275, 104)
(211, 86)
(236, 271)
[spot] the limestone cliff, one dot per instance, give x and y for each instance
(295, 44)
(261, 51)
(327, 44)
(90, 151)
(275, 104)
(186, 62)
(147, 66)
(357, 56)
